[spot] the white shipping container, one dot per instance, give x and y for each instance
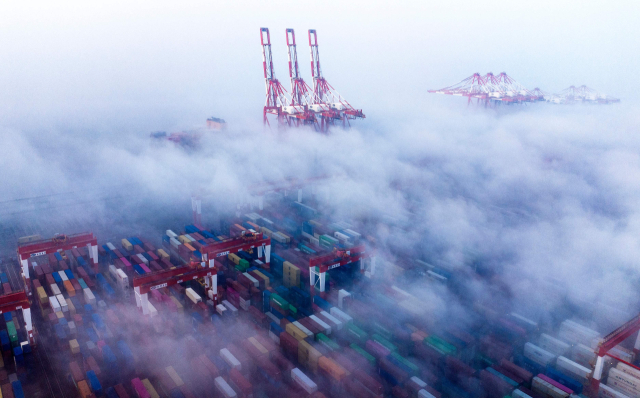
(583, 355)
(111, 246)
(571, 368)
(304, 381)
(342, 294)
(607, 392)
(230, 359)
(171, 234)
(89, 298)
(272, 317)
(353, 233)
(274, 337)
(546, 388)
(340, 315)
(113, 271)
(224, 388)
(232, 309)
(63, 276)
(576, 333)
(54, 304)
(63, 303)
(530, 324)
(304, 329)
(253, 280)
(175, 243)
(123, 279)
(322, 324)
(193, 296)
(342, 237)
(537, 354)
(621, 353)
(624, 383)
(254, 217)
(552, 344)
(143, 259)
(220, 309)
(152, 310)
(55, 289)
(519, 394)
(628, 370)
(333, 319)
(420, 383)
(424, 394)
(191, 239)
(244, 304)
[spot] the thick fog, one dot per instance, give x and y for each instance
(543, 196)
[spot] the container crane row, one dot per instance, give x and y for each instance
(492, 90)
(320, 106)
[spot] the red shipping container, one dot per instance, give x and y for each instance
(122, 393)
(399, 392)
(240, 382)
(6, 288)
(76, 372)
(118, 253)
(369, 382)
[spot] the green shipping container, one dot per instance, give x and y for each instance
(382, 331)
(440, 345)
(82, 283)
(386, 343)
(293, 309)
(404, 361)
(327, 342)
(281, 302)
(356, 332)
(363, 353)
(11, 329)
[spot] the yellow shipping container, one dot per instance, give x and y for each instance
(42, 295)
(287, 237)
(174, 376)
(183, 239)
(234, 259)
(127, 245)
(59, 314)
(263, 276)
(295, 332)
(178, 304)
(152, 391)
(259, 346)
(266, 231)
(74, 346)
(308, 356)
(72, 308)
(332, 368)
(163, 254)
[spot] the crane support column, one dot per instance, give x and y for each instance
(300, 195)
(26, 314)
(261, 202)
(267, 254)
(636, 346)
(597, 375)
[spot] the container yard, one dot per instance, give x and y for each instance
(278, 302)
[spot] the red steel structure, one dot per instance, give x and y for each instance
(302, 98)
(339, 108)
(491, 89)
(55, 244)
(143, 284)
(333, 260)
(276, 94)
(19, 301)
(585, 94)
(610, 341)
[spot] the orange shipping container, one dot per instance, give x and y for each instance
(69, 287)
(333, 369)
(188, 246)
(83, 389)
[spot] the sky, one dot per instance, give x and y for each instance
(542, 194)
(164, 65)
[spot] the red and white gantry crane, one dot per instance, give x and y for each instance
(276, 93)
(339, 108)
(302, 97)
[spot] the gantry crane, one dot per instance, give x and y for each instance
(335, 259)
(339, 108)
(276, 94)
(608, 342)
(302, 97)
(143, 284)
